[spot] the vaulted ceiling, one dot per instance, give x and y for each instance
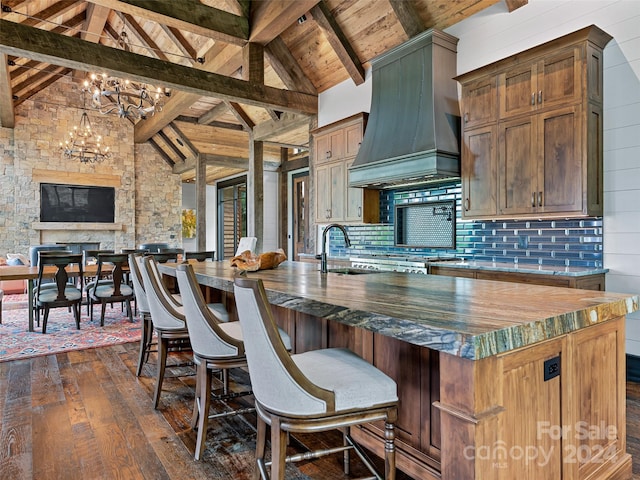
(237, 69)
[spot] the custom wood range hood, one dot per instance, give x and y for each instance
(413, 134)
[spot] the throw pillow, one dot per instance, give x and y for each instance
(17, 259)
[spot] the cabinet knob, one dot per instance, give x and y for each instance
(539, 199)
(328, 154)
(359, 212)
(533, 98)
(466, 117)
(328, 213)
(467, 204)
(533, 199)
(540, 97)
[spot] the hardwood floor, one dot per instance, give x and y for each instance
(84, 414)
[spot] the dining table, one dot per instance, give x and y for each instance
(30, 274)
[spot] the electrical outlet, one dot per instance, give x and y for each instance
(551, 368)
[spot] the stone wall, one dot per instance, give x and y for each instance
(148, 196)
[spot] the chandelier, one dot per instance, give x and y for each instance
(80, 143)
(125, 98)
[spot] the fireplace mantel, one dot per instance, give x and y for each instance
(76, 226)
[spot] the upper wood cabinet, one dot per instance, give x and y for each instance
(335, 148)
(552, 81)
(532, 131)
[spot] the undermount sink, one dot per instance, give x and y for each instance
(351, 271)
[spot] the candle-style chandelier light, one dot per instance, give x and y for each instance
(122, 97)
(81, 143)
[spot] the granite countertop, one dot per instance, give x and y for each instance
(523, 268)
(465, 317)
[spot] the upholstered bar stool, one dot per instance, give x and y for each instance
(167, 317)
(146, 336)
(309, 392)
(217, 346)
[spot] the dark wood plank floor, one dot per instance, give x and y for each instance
(84, 414)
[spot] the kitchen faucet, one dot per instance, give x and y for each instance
(323, 255)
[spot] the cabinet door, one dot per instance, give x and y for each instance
(559, 79)
(323, 193)
(330, 194)
(479, 173)
(329, 146)
(517, 90)
(517, 167)
(479, 102)
(560, 162)
(353, 200)
(353, 139)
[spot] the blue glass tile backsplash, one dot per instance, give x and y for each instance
(561, 242)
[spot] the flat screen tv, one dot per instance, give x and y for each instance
(76, 203)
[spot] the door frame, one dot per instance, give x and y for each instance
(290, 175)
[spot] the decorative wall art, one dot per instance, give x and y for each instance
(188, 223)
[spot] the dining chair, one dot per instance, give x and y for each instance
(314, 391)
(64, 294)
(90, 258)
(168, 320)
(115, 290)
(200, 256)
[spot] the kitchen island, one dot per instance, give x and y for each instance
(496, 380)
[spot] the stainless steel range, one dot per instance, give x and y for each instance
(397, 263)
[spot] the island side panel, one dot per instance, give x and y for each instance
(501, 419)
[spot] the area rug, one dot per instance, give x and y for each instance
(62, 336)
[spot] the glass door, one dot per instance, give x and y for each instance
(232, 215)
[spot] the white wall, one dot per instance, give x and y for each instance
(494, 34)
(189, 201)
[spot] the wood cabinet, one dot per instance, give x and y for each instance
(335, 148)
(480, 162)
(586, 282)
(544, 158)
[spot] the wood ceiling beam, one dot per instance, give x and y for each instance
(214, 113)
(273, 128)
(253, 63)
(188, 15)
(14, 4)
(241, 115)
(224, 59)
(184, 139)
(29, 42)
(171, 145)
(287, 68)
(7, 114)
(269, 18)
(180, 41)
(515, 4)
(194, 121)
(94, 23)
(220, 161)
(408, 18)
(147, 42)
(28, 83)
(96, 19)
(338, 41)
(60, 72)
(162, 153)
(59, 8)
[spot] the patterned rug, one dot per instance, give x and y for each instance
(17, 343)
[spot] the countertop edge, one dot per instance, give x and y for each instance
(465, 345)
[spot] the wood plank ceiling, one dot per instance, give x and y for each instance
(253, 69)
